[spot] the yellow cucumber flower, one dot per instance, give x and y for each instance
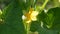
(31, 15)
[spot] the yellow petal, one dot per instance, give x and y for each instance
(33, 18)
(28, 21)
(34, 13)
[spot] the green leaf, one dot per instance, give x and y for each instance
(13, 19)
(46, 31)
(41, 16)
(53, 19)
(34, 26)
(48, 21)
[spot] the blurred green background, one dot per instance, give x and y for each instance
(50, 4)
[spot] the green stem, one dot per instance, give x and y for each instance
(44, 4)
(41, 8)
(27, 27)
